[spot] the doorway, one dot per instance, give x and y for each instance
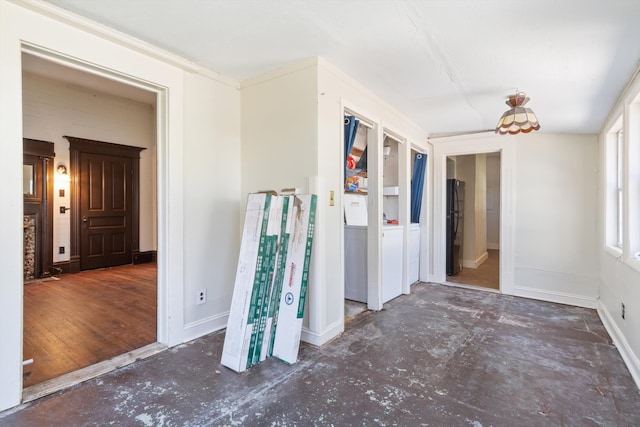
(106, 184)
(473, 220)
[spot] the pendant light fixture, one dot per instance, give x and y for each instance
(518, 118)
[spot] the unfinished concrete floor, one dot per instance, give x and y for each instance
(441, 356)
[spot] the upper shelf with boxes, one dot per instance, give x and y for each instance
(356, 157)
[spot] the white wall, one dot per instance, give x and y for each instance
(52, 109)
(279, 137)
(547, 224)
(211, 129)
(212, 201)
(493, 201)
(466, 172)
(335, 91)
(292, 121)
(556, 182)
(480, 210)
(619, 277)
(472, 169)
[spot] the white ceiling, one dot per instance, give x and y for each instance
(448, 65)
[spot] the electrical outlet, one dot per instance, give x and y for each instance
(622, 309)
(202, 296)
(61, 249)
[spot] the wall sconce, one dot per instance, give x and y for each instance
(63, 178)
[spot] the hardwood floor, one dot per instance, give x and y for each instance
(487, 275)
(85, 318)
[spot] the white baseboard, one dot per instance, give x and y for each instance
(318, 339)
(477, 263)
(495, 246)
(205, 326)
(621, 343)
(211, 324)
(559, 297)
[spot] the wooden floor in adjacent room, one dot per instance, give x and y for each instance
(487, 275)
(76, 320)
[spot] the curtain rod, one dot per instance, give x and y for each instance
(362, 121)
(391, 136)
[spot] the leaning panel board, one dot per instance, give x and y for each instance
(237, 338)
(288, 324)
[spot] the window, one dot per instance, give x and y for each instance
(614, 196)
(619, 186)
(621, 191)
(632, 157)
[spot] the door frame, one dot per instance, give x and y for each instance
(102, 52)
(478, 143)
(78, 146)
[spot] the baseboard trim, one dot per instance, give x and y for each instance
(314, 338)
(61, 267)
(628, 356)
(205, 326)
(144, 257)
(477, 263)
(557, 297)
(212, 324)
(495, 246)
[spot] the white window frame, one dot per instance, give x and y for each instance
(632, 132)
(614, 195)
(619, 168)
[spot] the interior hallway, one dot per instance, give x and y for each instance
(440, 356)
(487, 275)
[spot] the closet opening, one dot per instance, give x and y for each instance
(377, 215)
(357, 133)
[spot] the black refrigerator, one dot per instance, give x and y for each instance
(455, 225)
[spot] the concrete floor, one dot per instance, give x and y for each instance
(442, 356)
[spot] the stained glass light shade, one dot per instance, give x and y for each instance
(518, 118)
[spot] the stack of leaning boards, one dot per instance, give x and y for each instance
(270, 289)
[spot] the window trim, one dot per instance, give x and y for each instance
(620, 187)
(614, 216)
(632, 132)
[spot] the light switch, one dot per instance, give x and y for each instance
(331, 199)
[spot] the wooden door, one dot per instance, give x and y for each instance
(104, 203)
(105, 210)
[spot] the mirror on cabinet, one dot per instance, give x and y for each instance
(28, 180)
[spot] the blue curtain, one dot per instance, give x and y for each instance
(350, 130)
(417, 185)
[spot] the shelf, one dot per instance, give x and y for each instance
(390, 191)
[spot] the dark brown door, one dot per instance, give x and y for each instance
(105, 210)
